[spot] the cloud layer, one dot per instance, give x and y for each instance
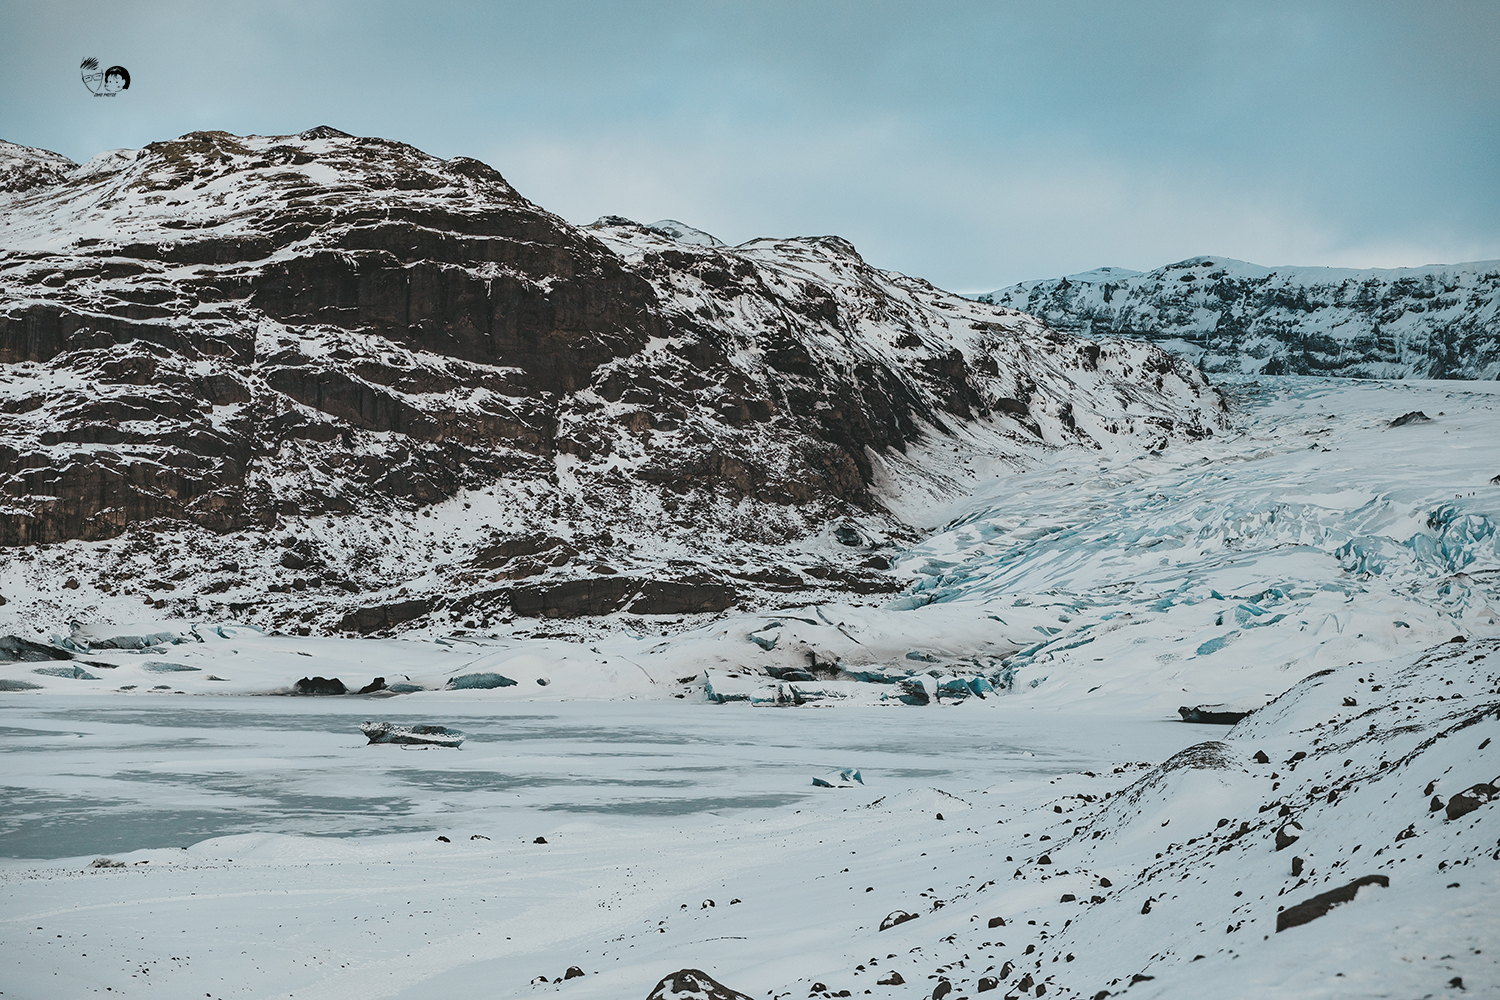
(973, 144)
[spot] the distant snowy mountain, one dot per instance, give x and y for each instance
(1437, 321)
(325, 382)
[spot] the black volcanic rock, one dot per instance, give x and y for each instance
(219, 337)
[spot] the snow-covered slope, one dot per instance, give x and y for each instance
(323, 382)
(1437, 321)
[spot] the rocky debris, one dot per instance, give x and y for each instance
(1472, 798)
(106, 863)
(1414, 417)
(14, 649)
(894, 979)
(1287, 835)
(419, 735)
(1311, 909)
(320, 686)
(693, 984)
(1213, 715)
(483, 681)
(897, 917)
(986, 983)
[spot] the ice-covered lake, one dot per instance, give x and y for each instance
(101, 775)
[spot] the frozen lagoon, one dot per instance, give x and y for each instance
(101, 775)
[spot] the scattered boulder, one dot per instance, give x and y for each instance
(894, 979)
(1414, 417)
(1288, 835)
(106, 863)
(573, 972)
(1213, 715)
(378, 684)
(997, 922)
(422, 735)
(320, 685)
(1297, 864)
(1261, 758)
(693, 984)
(987, 983)
(897, 917)
(1470, 799)
(847, 534)
(1311, 909)
(481, 681)
(540, 840)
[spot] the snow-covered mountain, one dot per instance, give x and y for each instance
(320, 381)
(1437, 321)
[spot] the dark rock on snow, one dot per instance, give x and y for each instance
(320, 685)
(1414, 417)
(1311, 909)
(897, 917)
(1470, 799)
(1214, 715)
(693, 984)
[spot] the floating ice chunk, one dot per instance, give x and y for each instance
(422, 735)
(6, 684)
(721, 688)
(765, 638)
(76, 673)
(483, 681)
(847, 778)
(161, 667)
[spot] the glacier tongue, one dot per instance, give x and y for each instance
(1314, 535)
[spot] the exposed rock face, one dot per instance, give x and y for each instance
(217, 340)
(1438, 321)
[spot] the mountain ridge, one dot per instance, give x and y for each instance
(334, 382)
(1231, 316)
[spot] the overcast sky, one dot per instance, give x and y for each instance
(974, 144)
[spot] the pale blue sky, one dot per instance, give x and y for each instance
(974, 144)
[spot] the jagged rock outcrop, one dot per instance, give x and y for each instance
(1437, 321)
(302, 372)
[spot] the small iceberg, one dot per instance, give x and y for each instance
(847, 778)
(482, 681)
(435, 736)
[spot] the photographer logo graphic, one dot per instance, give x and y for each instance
(104, 84)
